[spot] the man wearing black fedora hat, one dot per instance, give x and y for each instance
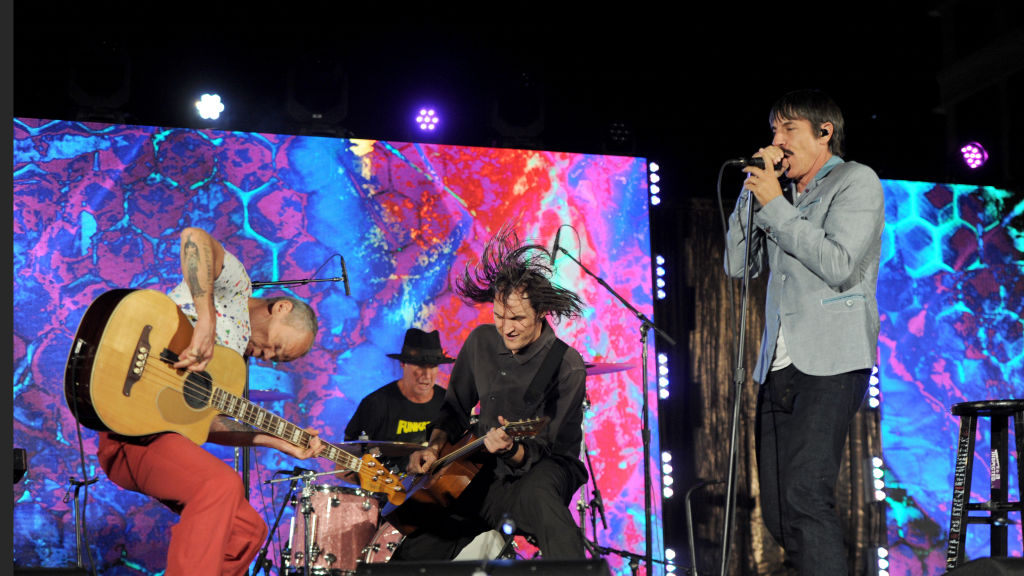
(402, 410)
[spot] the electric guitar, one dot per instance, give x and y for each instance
(119, 378)
(428, 494)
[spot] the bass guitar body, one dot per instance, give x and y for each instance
(116, 379)
(119, 378)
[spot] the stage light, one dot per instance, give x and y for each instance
(663, 380)
(883, 561)
(508, 525)
(878, 473)
(654, 180)
(666, 468)
(427, 119)
(974, 155)
(874, 391)
(209, 106)
(659, 270)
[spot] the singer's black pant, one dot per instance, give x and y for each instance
(536, 502)
(802, 424)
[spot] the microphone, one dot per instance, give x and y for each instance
(344, 276)
(554, 248)
(759, 162)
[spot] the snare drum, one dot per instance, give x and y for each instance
(383, 545)
(342, 521)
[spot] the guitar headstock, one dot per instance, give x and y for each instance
(373, 476)
(526, 428)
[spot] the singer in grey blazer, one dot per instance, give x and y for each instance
(818, 234)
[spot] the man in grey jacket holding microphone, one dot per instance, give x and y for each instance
(818, 232)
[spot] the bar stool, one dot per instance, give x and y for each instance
(998, 507)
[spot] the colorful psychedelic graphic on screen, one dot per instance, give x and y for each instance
(99, 207)
(950, 295)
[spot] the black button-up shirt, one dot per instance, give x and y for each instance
(487, 372)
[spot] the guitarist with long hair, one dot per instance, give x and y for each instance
(219, 532)
(529, 480)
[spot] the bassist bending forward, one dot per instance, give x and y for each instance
(219, 532)
(531, 480)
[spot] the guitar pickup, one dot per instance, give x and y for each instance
(138, 361)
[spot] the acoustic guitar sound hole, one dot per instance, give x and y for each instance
(197, 390)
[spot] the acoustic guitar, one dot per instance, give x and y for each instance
(119, 378)
(430, 493)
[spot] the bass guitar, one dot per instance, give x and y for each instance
(119, 378)
(428, 494)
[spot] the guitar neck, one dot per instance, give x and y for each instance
(456, 454)
(514, 429)
(265, 421)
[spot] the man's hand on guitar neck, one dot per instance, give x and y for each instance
(501, 444)
(420, 460)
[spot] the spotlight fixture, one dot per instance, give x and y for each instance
(427, 119)
(974, 155)
(209, 106)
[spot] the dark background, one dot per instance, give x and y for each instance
(690, 86)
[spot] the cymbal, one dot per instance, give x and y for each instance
(386, 449)
(268, 395)
(596, 368)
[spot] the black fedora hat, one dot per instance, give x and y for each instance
(422, 348)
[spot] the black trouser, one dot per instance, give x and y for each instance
(537, 502)
(802, 424)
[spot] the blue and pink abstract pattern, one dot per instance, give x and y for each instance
(98, 207)
(951, 292)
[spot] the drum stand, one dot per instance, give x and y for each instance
(261, 560)
(312, 550)
(595, 504)
(307, 509)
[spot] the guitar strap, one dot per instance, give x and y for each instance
(545, 377)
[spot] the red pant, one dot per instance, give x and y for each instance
(219, 532)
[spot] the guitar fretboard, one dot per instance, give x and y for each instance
(265, 421)
(513, 429)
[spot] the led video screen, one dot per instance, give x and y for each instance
(950, 294)
(99, 207)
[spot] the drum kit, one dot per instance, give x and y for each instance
(346, 530)
(335, 527)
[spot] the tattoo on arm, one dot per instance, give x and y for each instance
(191, 260)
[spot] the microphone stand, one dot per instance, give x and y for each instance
(245, 451)
(292, 282)
(645, 325)
(634, 559)
(739, 378)
(261, 561)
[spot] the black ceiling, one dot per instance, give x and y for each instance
(692, 85)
